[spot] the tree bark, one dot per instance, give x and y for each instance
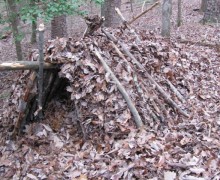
(108, 11)
(59, 27)
(34, 32)
(33, 25)
(212, 11)
(166, 15)
(179, 20)
(203, 5)
(13, 18)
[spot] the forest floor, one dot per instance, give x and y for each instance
(182, 149)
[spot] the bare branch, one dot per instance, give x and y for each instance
(131, 106)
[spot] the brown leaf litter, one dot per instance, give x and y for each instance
(168, 146)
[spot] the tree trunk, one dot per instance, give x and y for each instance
(203, 5)
(59, 27)
(14, 21)
(212, 12)
(166, 15)
(108, 11)
(34, 31)
(179, 21)
(34, 25)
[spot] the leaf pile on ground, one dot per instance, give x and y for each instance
(93, 136)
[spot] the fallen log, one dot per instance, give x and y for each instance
(23, 65)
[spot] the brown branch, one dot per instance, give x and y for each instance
(175, 91)
(23, 65)
(41, 70)
(165, 95)
(23, 105)
(141, 14)
(79, 120)
(141, 67)
(123, 46)
(131, 106)
(199, 43)
(139, 89)
(126, 24)
(152, 114)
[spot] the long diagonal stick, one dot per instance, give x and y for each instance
(122, 90)
(141, 67)
(141, 14)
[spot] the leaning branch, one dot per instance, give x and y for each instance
(175, 91)
(23, 65)
(131, 106)
(24, 102)
(141, 67)
(141, 14)
(127, 25)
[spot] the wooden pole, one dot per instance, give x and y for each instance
(122, 90)
(141, 67)
(23, 65)
(41, 70)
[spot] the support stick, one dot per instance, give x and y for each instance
(145, 73)
(131, 106)
(41, 70)
(23, 65)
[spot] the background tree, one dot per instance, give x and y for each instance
(203, 5)
(212, 11)
(49, 11)
(166, 15)
(29, 11)
(108, 11)
(34, 23)
(179, 13)
(59, 27)
(14, 22)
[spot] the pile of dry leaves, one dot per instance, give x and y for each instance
(180, 136)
